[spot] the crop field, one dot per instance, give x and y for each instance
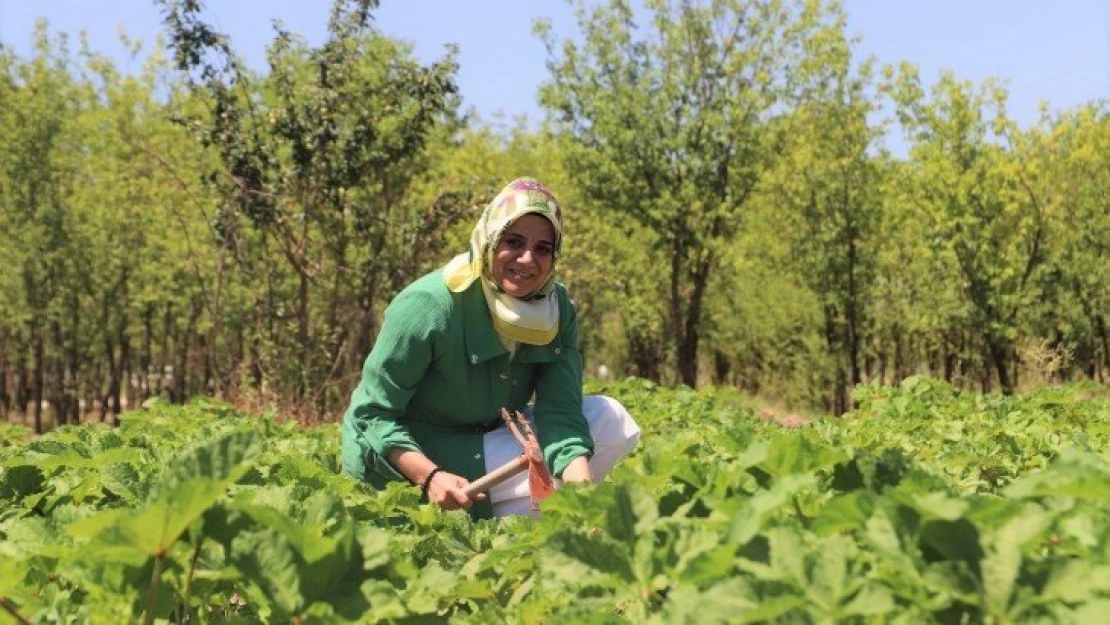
(925, 504)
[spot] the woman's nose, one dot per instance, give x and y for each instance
(527, 256)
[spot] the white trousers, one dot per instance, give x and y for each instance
(614, 433)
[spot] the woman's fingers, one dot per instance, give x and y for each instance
(459, 496)
(446, 490)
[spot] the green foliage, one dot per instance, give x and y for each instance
(980, 212)
(196, 227)
(925, 504)
(671, 125)
(317, 159)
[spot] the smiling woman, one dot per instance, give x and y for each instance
(491, 330)
(523, 259)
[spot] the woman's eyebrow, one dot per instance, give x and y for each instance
(519, 235)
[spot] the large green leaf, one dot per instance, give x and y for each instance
(761, 506)
(1002, 559)
(1083, 476)
(799, 453)
(573, 556)
(724, 602)
(631, 514)
(272, 568)
(186, 490)
(844, 512)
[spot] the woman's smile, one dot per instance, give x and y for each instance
(524, 256)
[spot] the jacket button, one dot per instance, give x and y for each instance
(556, 351)
(504, 376)
(474, 358)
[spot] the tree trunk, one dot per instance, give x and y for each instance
(335, 329)
(300, 389)
(754, 367)
(644, 353)
(1000, 356)
(950, 359)
(124, 376)
(163, 368)
(366, 329)
(853, 316)
(840, 397)
(5, 397)
(677, 255)
(73, 377)
(113, 376)
(205, 358)
(90, 391)
(212, 365)
(35, 337)
(239, 355)
(722, 367)
(899, 364)
(22, 392)
(181, 389)
(882, 357)
(37, 375)
(838, 349)
(145, 356)
(58, 395)
(691, 334)
(1104, 366)
(986, 380)
(256, 371)
(101, 395)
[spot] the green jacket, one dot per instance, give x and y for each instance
(438, 369)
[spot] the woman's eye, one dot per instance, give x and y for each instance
(519, 244)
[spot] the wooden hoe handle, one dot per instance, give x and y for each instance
(496, 476)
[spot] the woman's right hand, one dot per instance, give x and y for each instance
(446, 491)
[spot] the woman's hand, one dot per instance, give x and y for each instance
(578, 471)
(446, 491)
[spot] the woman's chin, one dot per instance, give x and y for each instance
(517, 289)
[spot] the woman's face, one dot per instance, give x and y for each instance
(524, 256)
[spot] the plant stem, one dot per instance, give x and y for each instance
(189, 578)
(154, 577)
(10, 608)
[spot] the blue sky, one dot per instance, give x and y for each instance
(1054, 50)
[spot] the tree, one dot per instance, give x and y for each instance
(830, 184)
(980, 217)
(318, 158)
(40, 152)
(671, 125)
(1070, 166)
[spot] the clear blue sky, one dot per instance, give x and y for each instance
(1055, 50)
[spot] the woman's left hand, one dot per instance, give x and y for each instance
(578, 471)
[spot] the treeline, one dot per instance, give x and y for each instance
(199, 227)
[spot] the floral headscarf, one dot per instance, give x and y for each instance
(533, 318)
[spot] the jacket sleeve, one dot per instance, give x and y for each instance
(562, 428)
(413, 323)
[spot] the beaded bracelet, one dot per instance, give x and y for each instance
(427, 482)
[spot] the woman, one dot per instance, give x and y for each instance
(487, 331)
